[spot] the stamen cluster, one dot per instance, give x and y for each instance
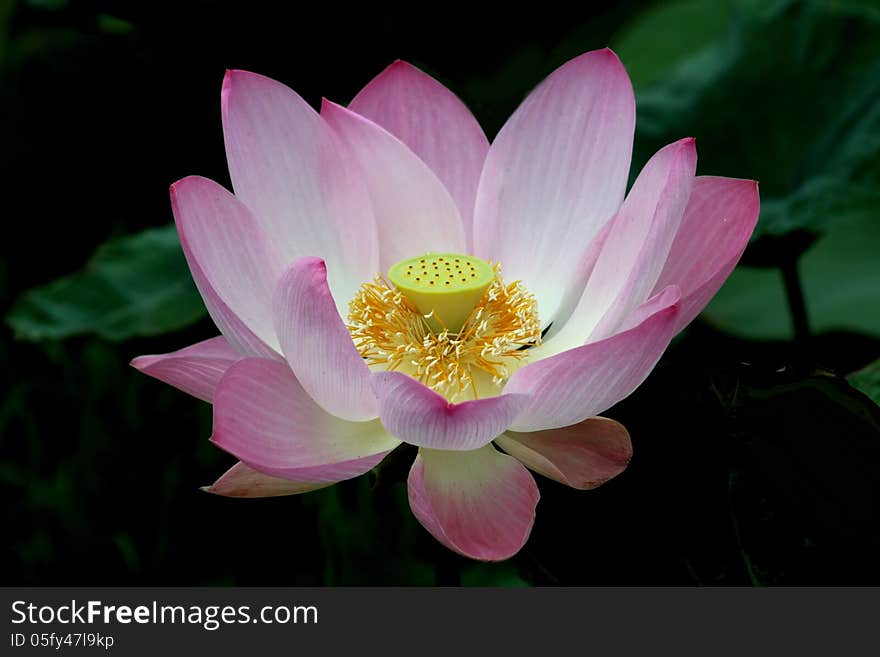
(391, 334)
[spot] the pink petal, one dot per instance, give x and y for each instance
(718, 222)
(414, 212)
(580, 383)
(264, 417)
(480, 503)
(435, 124)
(419, 416)
(669, 295)
(555, 174)
(239, 336)
(636, 249)
(574, 289)
(289, 168)
(642, 234)
(195, 369)
(222, 239)
(317, 344)
(583, 455)
(242, 481)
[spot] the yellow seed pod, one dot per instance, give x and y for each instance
(445, 287)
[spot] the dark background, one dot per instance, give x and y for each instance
(756, 460)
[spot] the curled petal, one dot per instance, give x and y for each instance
(419, 416)
(196, 369)
(243, 481)
(583, 455)
(668, 296)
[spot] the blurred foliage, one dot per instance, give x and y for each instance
(867, 380)
(840, 275)
(649, 57)
(137, 285)
(787, 95)
(755, 461)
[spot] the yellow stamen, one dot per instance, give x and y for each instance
(392, 333)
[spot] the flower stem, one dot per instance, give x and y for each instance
(797, 305)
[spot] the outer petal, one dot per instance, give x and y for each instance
(264, 417)
(419, 416)
(718, 222)
(668, 296)
(642, 235)
(290, 170)
(582, 456)
(222, 238)
(435, 124)
(240, 337)
(577, 384)
(555, 173)
(480, 504)
(318, 346)
(414, 212)
(636, 249)
(242, 481)
(196, 369)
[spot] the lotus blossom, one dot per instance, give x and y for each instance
(382, 274)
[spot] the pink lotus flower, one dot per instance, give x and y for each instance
(325, 364)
